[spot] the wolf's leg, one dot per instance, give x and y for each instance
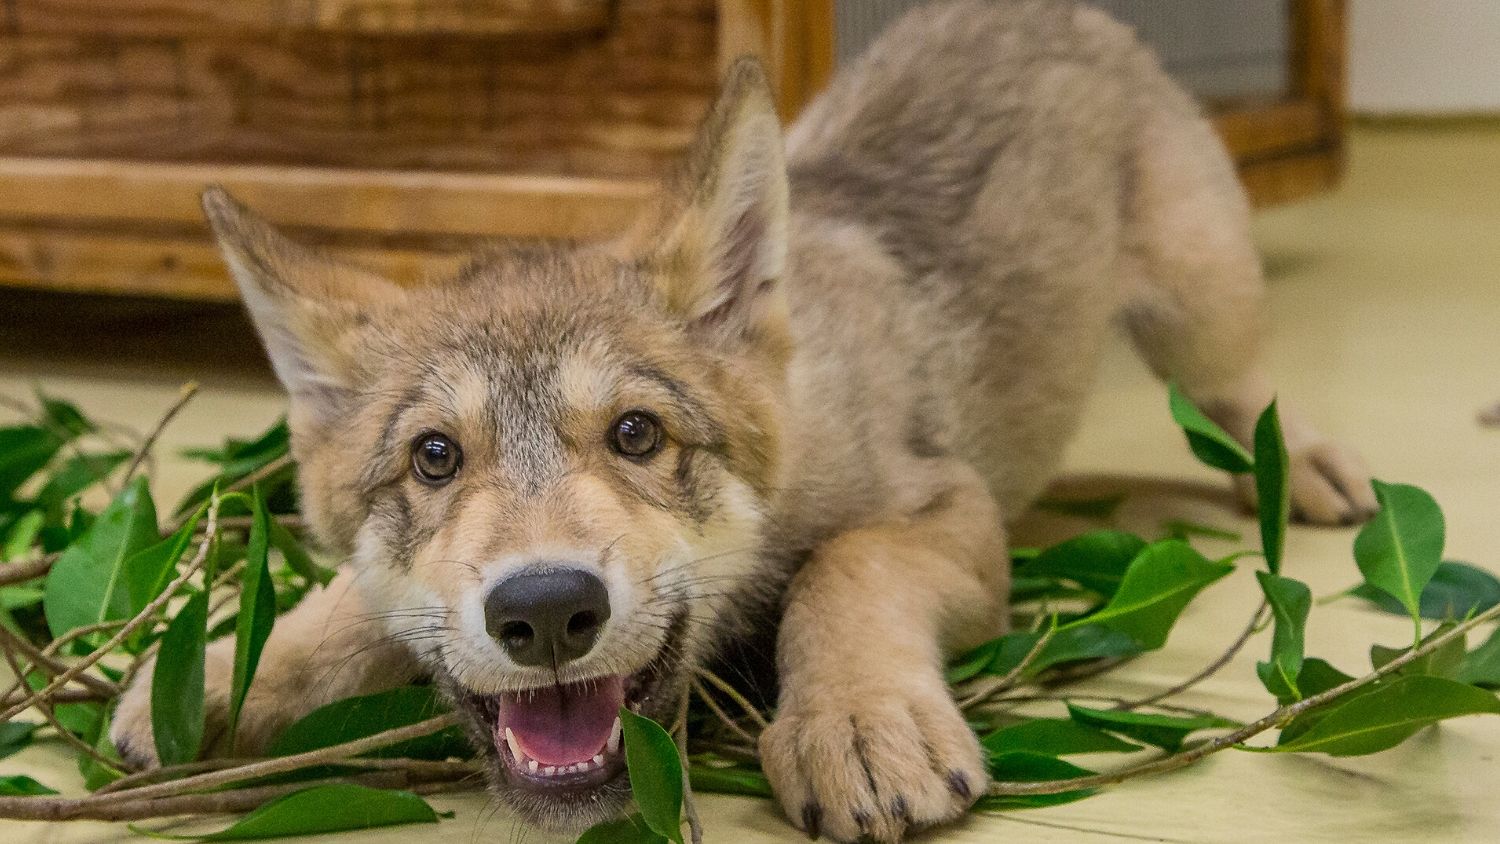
(867, 739)
(1194, 305)
(327, 648)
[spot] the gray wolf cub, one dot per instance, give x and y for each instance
(816, 379)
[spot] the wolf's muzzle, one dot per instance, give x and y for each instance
(547, 616)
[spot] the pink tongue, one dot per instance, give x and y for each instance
(562, 725)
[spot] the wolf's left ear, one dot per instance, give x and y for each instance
(725, 250)
(309, 309)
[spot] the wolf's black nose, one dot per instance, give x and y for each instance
(549, 617)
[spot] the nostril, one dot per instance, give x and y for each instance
(583, 623)
(517, 635)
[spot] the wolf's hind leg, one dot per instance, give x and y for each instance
(329, 647)
(867, 740)
(1194, 304)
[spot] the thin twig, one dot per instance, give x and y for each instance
(40, 660)
(127, 629)
(987, 690)
(1280, 716)
(423, 767)
(258, 475)
(237, 800)
(1209, 670)
(689, 804)
(189, 390)
(733, 694)
(718, 711)
(280, 765)
(20, 572)
(47, 711)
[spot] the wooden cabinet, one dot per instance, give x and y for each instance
(399, 131)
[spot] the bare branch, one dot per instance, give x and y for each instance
(189, 390)
(1212, 668)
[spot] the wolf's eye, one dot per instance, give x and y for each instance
(636, 434)
(435, 458)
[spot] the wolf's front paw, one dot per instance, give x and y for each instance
(873, 762)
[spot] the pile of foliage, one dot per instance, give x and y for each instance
(86, 597)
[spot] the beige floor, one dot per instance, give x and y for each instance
(1386, 301)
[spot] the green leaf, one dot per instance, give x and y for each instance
(177, 684)
(15, 736)
(296, 555)
(1400, 549)
(23, 535)
(1096, 560)
(1481, 666)
(239, 459)
(1050, 737)
(1000, 656)
(708, 779)
(1021, 766)
(1388, 715)
(320, 809)
(64, 417)
(1272, 493)
(1444, 662)
(1164, 731)
(97, 774)
(1160, 582)
(1290, 603)
(655, 773)
(1185, 530)
(20, 785)
(87, 585)
(257, 609)
(77, 474)
(1207, 440)
(1456, 591)
(149, 570)
(358, 717)
(24, 450)
(628, 830)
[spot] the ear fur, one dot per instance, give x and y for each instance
(308, 308)
(721, 258)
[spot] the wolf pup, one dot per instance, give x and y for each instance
(819, 380)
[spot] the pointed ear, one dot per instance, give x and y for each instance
(724, 250)
(309, 309)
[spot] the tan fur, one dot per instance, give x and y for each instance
(867, 357)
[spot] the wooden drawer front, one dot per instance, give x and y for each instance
(158, 81)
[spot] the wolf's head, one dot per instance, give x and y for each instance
(550, 472)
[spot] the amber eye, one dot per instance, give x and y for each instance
(636, 434)
(435, 458)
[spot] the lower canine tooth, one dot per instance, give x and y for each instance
(613, 744)
(599, 759)
(515, 747)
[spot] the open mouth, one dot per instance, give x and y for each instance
(562, 743)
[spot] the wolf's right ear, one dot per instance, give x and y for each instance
(309, 309)
(719, 250)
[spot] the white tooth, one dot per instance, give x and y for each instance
(613, 745)
(550, 770)
(531, 763)
(515, 747)
(598, 759)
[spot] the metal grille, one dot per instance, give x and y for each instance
(1219, 49)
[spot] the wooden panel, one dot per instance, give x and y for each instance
(621, 104)
(1256, 131)
(164, 264)
(390, 207)
(793, 37)
(1284, 179)
(185, 18)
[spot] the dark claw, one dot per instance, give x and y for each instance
(960, 784)
(812, 816)
(862, 820)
